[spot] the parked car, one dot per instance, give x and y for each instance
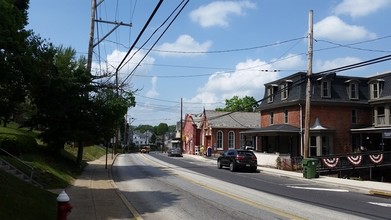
(237, 159)
(175, 152)
(145, 149)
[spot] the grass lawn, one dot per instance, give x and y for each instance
(20, 200)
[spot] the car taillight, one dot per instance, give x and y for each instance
(240, 157)
(253, 157)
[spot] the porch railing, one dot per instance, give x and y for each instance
(353, 161)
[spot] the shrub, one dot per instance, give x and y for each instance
(17, 144)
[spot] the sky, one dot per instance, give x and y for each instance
(210, 51)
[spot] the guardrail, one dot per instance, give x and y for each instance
(22, 162)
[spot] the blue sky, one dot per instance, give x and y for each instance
(215, 50)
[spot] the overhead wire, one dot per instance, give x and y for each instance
(350, 46)
(228, 50)
(161, 35)
(140, 34)
(304, 80)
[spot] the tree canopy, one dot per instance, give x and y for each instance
(13, 43)
(245, 104)
(52, 88)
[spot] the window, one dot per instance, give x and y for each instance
(231, 139)
(286, 116)
(325, 89)
(375, 91)
(376, 88)
(380, 115)
(353, 88)
(354, 116)
(219, 140)
(284, 91)
(270, 94)
(313, 147)
(271, 118)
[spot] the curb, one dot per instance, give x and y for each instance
(380, 193)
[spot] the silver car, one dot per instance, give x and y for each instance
(175, 152)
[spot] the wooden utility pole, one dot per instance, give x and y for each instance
(181, 125)
(308, 91)
(91, 39)
(91, 46)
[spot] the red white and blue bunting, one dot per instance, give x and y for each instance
(330, 162)
(355, 160)
(376, 158)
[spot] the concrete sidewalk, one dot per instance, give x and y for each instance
(95, 196)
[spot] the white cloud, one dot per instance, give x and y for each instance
(357, 8)
(152, 92)
(246, 80)
(184, 43)
(334, 28)
(217, 13)
(288, 62)
(332, 64)
(109, 66)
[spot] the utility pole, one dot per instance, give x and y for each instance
(308, 91)
(181, 125)
(91, 46)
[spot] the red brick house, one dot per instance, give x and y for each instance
(221, 130)
(191, 133)
(346, 113)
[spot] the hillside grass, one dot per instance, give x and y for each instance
(20, 200)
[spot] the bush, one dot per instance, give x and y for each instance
(17, 144)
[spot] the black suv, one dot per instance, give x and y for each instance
(237, 159)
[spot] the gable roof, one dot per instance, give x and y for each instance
(193, 120)
(221, 119)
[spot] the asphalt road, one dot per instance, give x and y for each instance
(184, 188)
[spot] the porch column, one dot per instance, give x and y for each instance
(387, 115)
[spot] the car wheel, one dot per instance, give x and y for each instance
(254, 169)
(232, 166)
(219, 164)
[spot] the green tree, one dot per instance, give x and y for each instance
(13, 43)
(144, 128)
(70, 106)
(245, 104)
(161, 130)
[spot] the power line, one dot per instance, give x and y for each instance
(161, 35)
(303, 80)
(227, 50)
(350, 46)
(140, 34)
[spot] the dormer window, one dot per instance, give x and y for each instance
(376, 87)
(284, 88)
(325, 88)
(270, 93)
(352, 89)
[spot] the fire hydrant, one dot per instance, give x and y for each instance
(63, 206)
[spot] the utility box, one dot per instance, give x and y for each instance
(309, 168)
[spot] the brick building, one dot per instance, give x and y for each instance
(346, 113)
(221, 130)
